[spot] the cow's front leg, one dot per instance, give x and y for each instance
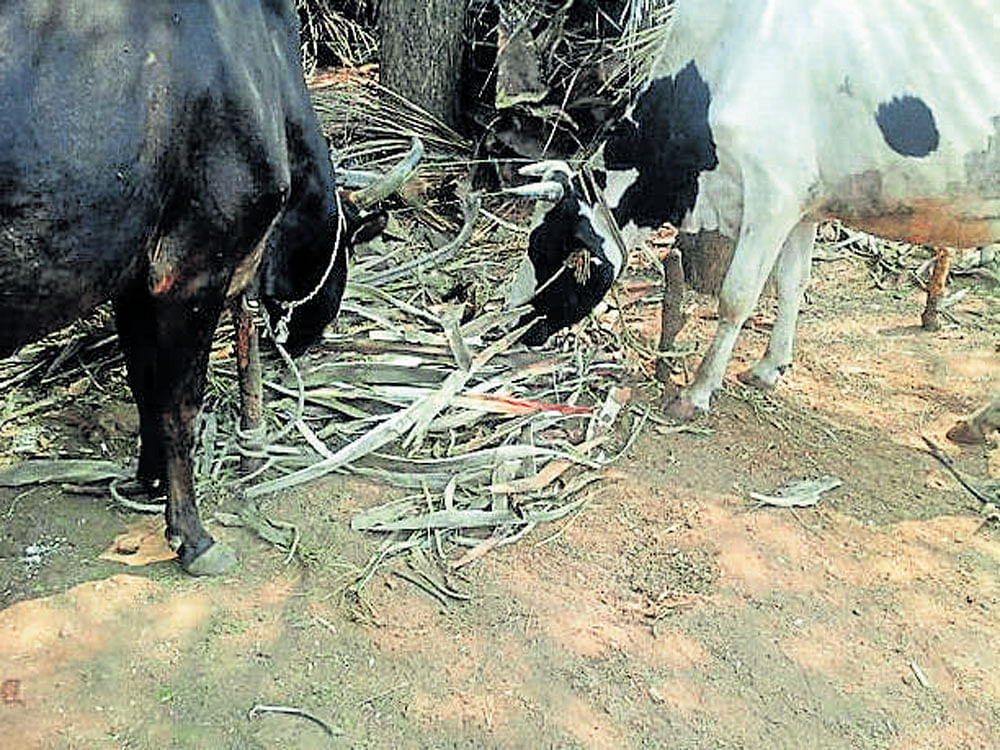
(166, 343)
(792, 277)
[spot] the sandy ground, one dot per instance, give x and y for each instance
(670, 613)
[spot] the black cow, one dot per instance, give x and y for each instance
(159, 153)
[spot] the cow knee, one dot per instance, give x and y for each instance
(734, 309)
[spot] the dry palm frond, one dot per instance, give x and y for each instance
(428, 396)
(370, 125)
(330, 33)
(415, 389)
(646, 29)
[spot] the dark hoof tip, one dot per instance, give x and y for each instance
(682, 409)
(752, 379)
(966, 434)
(215, 560)
(748, 377)
(929, 322)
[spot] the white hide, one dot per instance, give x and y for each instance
(522, 288)
(795, 85)
(609, 245)
(619, 180)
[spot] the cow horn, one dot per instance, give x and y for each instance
(392, 180)
(546, 190)
(545, 169)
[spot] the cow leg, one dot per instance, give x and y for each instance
(166, 343)
(248, 372)
(138, 342)
(762, 235)
(672, 317)
(792, 269)
(936, 286)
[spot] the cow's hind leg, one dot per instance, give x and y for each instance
(936, 286)
(767, 222)
(792, 276)
(137, 334)
(166, 341)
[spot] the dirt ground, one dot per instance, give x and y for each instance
(670, 613)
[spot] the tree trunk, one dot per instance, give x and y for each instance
(707, 255)
(422, 44)
(706, 259)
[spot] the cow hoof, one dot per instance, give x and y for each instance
(215, 560)
(966, 433)
(749, 377)
(765, 381)
(682, 409)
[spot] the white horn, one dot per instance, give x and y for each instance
(546, 190)
(546, 168)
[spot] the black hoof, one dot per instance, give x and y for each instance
(209, 558)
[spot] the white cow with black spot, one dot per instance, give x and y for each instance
(764, 117)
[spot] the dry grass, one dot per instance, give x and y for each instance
(420, 384)
(331, 30)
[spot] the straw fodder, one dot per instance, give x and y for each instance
(337, 32)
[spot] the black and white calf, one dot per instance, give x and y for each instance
(759, 121)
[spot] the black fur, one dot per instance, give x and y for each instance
(145, 150)
(669, 141)
(565, 301)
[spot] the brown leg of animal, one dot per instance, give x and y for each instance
(251, 387)
(166, 344)
(936, 287)
(672, 316)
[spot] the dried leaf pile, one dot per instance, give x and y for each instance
(339, 32)
(543, 76)
(419, 386)
(422, 387)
